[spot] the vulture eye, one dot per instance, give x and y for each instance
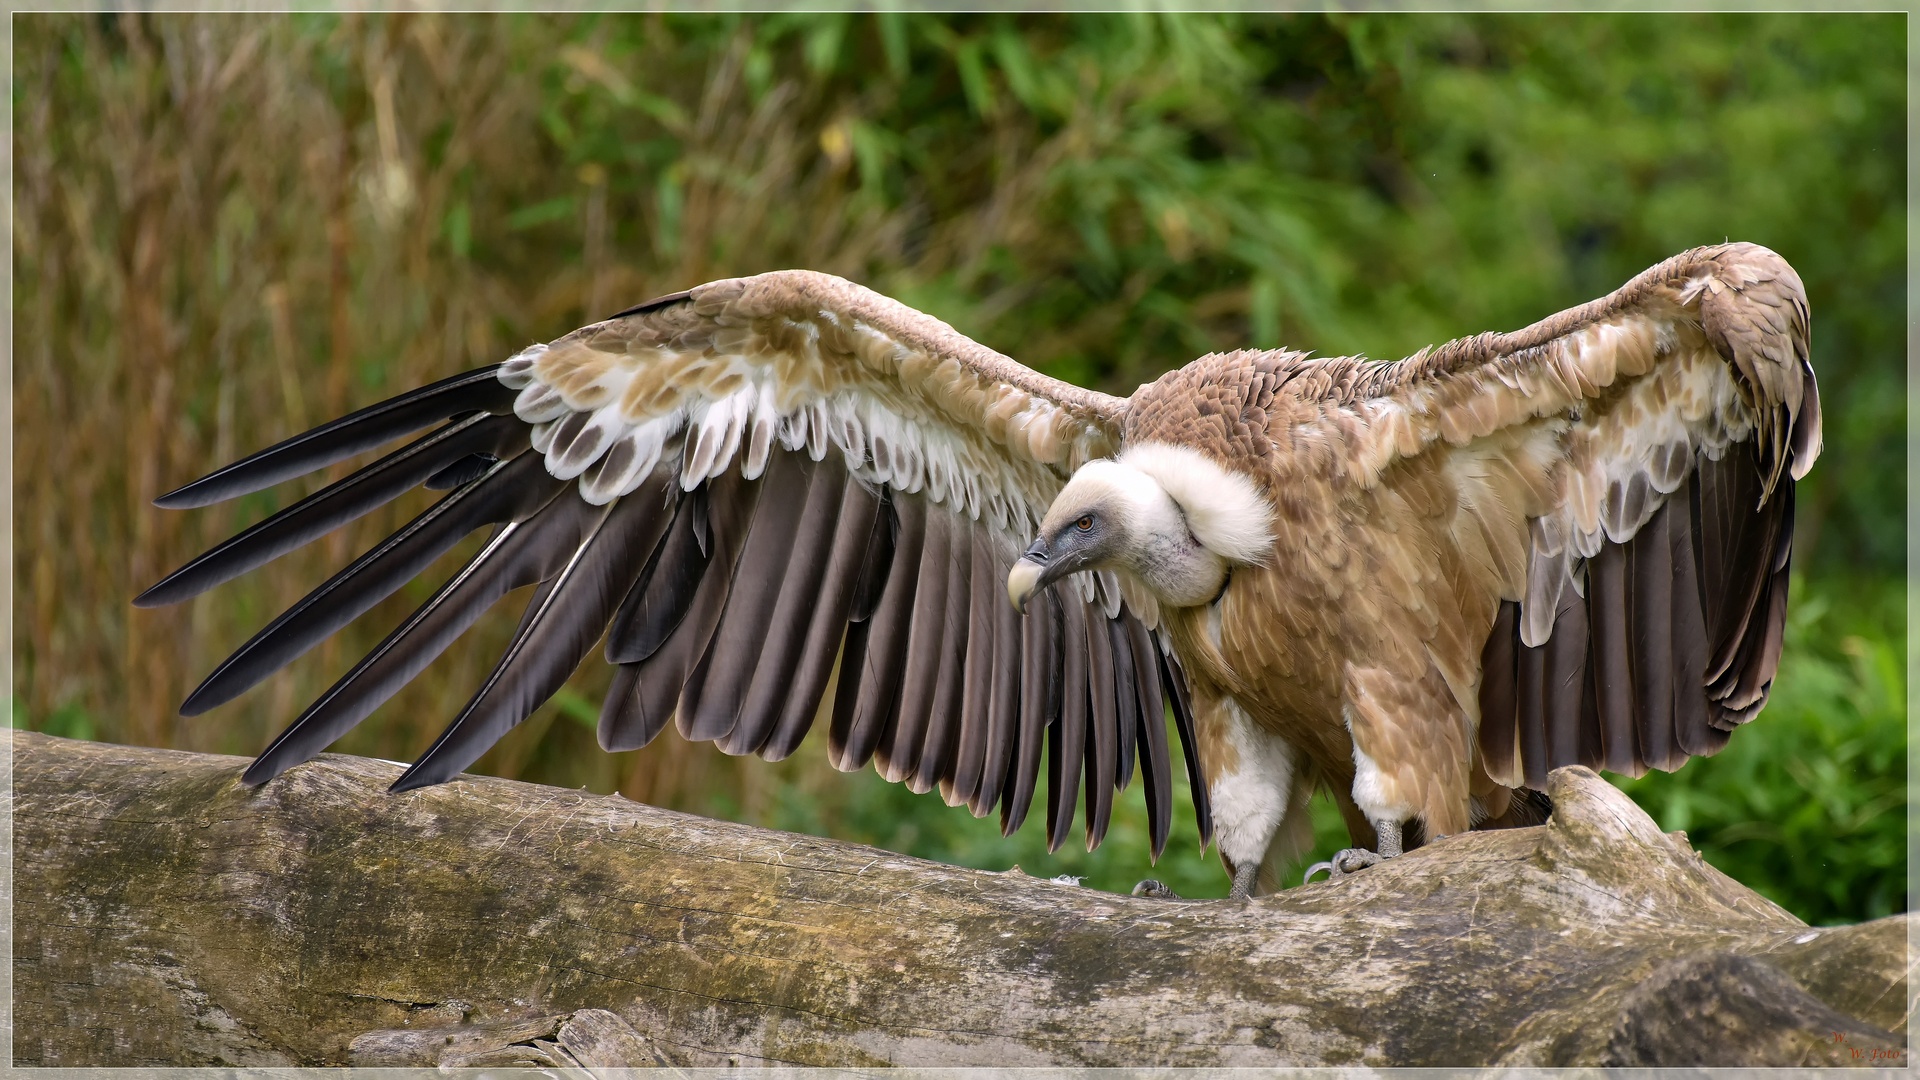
(1085, 524)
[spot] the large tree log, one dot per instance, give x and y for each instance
(167, 916)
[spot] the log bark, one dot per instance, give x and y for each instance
(165, 915)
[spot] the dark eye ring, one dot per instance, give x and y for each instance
(1085, 524)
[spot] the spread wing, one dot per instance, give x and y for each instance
(1614, 486)
(740, 489)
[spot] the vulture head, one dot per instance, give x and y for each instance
(1170, 516)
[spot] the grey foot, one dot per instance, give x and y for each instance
(1352, 860)
(1156, 890)
(1243, 880)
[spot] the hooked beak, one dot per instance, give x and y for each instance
(1030, 574)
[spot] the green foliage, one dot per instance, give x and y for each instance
(1808, 803)
(69, 721)
(226, 228)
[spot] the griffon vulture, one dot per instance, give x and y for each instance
(1421, 584)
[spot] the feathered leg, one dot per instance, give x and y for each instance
(1250, 777)
(1411, 755)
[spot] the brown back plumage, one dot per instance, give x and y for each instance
(1580, 530)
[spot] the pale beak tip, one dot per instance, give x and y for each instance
(1020, 582)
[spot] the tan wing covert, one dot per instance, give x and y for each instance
(1609, 489)
(1576, 534)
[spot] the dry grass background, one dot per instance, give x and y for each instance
(230, 227)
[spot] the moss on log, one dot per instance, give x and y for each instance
(165, 915)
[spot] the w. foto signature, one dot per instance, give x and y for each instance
(1872, 1053)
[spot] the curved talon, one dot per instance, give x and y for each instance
(1353, 860)
(1344, 862)
(1157, 890)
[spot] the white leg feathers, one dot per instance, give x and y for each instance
(1251, 777)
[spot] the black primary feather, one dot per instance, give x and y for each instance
(1067, 738)
(1040, 698)
(1126, 697)
(879, 559)
(519, 555)
(1103, 736)
(471, 467)
(662, 676)
(1609, 642)
(1174, 681)
(1692, 727)
(1156, 772)
(1499, 738)
(780, 632)
(984, 602)
(479, 390)
(1531, 694)
(710, 701)
(559, 631)
(869, 692)
(1739, 551)
(1650, 624)
(666, 586)
(862, 547)
(625, 723)
(1003, 720)
(934, 761)
(352, 497)
(513, 491)
(898, 749)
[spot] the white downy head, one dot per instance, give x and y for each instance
(1171, 517)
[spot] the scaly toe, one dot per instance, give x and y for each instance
(1349, 861)
(1353, 860)
(1156, 890)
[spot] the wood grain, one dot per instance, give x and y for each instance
(165, 915)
